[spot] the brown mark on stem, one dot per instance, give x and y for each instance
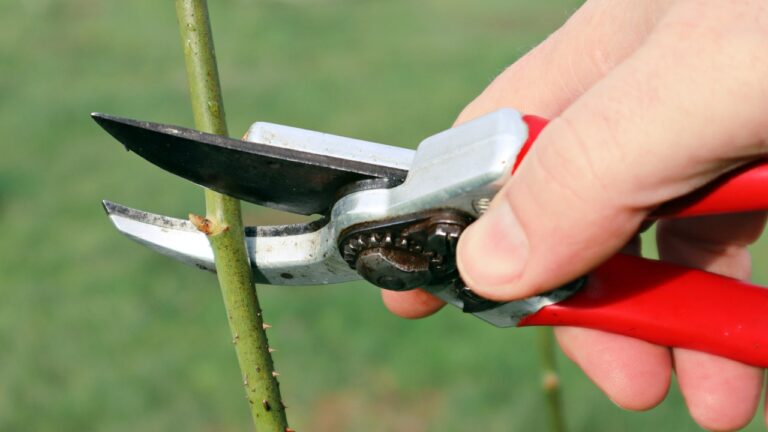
(550, 381)
(207, 226)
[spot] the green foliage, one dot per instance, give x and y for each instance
(98, 333)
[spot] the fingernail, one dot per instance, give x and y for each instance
(493, 251)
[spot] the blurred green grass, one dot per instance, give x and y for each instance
(98, 333)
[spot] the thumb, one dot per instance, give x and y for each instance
(643, 135)
(549, 224)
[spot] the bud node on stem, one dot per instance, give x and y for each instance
(207, 226)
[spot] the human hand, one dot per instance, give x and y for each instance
(649, 100)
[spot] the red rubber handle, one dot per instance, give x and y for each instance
(668, 305)
(671, 305)
(742, 190)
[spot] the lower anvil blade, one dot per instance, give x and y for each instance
(301, 254)
(305, 178)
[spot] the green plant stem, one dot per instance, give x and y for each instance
(223, 226)
(550, 381)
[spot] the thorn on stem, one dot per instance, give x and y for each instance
(266, 326)
(275, 374)
(271, 350)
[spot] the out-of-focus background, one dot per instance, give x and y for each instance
(98, 333)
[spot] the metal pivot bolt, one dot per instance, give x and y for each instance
(393, 269)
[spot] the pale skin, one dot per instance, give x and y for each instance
(649, 100)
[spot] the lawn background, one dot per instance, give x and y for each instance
(98, 333)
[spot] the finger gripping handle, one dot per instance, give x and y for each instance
(741, 190)
(668, 305)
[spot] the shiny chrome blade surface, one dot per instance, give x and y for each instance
(303, 178)
(301, 254)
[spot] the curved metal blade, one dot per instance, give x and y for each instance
(303, 178)
(302, 254)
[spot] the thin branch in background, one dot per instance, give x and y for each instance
(550, 380)
(224, 228)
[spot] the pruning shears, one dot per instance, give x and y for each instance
(393, 217)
